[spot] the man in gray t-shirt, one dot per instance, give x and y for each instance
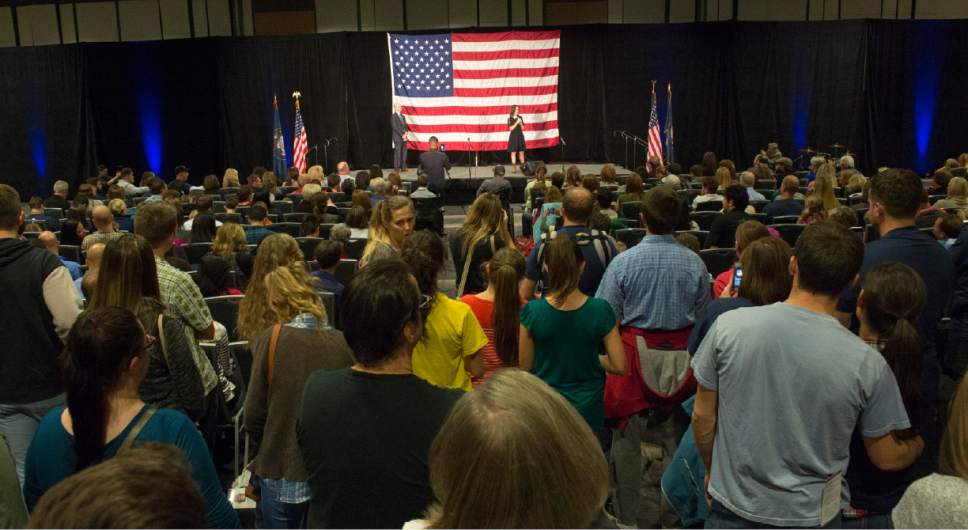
(781, 389)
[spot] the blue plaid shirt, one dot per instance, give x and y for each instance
(656, 285)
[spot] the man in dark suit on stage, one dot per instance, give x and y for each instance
(435, 163)
(398, 124)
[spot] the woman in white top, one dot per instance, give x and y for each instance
(940, 500)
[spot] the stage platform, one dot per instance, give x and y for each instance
(463, 181)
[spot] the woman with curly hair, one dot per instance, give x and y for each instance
(255, 312)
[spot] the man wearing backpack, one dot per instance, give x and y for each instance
(656, 289)
(597, 248)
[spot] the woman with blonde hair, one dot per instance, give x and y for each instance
(813, 211)
(724, 178)
(940, 500)
(485, 230)
(824, 184)
(297, 344)
(957, 195)
(497, 310)
(391, 221)
(515, 454)
(231, 178)
(255, 312)
(229, 239)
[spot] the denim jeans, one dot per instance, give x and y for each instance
(721, 517)
(19, 422)
(270, 513)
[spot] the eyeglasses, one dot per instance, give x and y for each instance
(425, 301)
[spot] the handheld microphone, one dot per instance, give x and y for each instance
(562, 140)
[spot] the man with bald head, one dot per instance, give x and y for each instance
(577, 207)
(93, 262)
(48, 240)
(104, 228)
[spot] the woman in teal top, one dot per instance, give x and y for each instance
(561, 335)
(106, 360)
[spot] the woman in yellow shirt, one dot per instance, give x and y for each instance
(452, 338)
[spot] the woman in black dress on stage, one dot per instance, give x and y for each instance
(516, 138)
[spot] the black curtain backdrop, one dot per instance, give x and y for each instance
(891, 90)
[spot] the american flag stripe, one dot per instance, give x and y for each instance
(300, 143)
(458, 142)
(461, 85)
(655, 136)
(498, 110)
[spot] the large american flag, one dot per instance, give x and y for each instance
(460, 87)
(300, 143)
(655, 135)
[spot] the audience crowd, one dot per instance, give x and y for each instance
(790, 346)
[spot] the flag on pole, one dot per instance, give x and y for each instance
(655, 134)
(670, 139)
(278, 142)
(460, 87)
(300, 143)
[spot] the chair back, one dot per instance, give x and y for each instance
(718, 260)
(195, 251)
(709, 206)
(284, 228)
(704, 219)
(354, 249)
(631, 209)
(346, 269)
(225, 310)
(789, 232)
(308, 246)
(630, 236)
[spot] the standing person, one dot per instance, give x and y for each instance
(516, 144)
(894, 198)
(171, 380)
(435, 164)
(770, 457)
(597, 248)
(497, 310)
(515, 417)
(40, 309)
(562, 334)
(656, 291)
(398, 126)
(156, 222)
(359, 478)
(391, 222)
(449, 351)
(105, 360)
(940, 500)
(887, 306)
(255, 313)
(484, 232)
(283, 357)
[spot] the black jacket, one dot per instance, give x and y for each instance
(29, 369)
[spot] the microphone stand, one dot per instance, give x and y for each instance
(561, 152)
(469, 158)
(626, 137)
(326, 144)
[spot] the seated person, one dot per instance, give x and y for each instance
(722, 233)
(328, 254)
(256, 231)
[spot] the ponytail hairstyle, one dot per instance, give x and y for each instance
(506, 271)
(424, 252)
(893, 296)
(98, 351)
(561, 261)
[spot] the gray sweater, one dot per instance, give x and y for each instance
(936, 501)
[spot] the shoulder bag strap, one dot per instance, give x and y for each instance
(273, 342)
(493, 246)
(467, 269)
(161, 338)
(136, 429)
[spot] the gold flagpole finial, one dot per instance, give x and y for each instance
(296, 95)
(275, 101)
